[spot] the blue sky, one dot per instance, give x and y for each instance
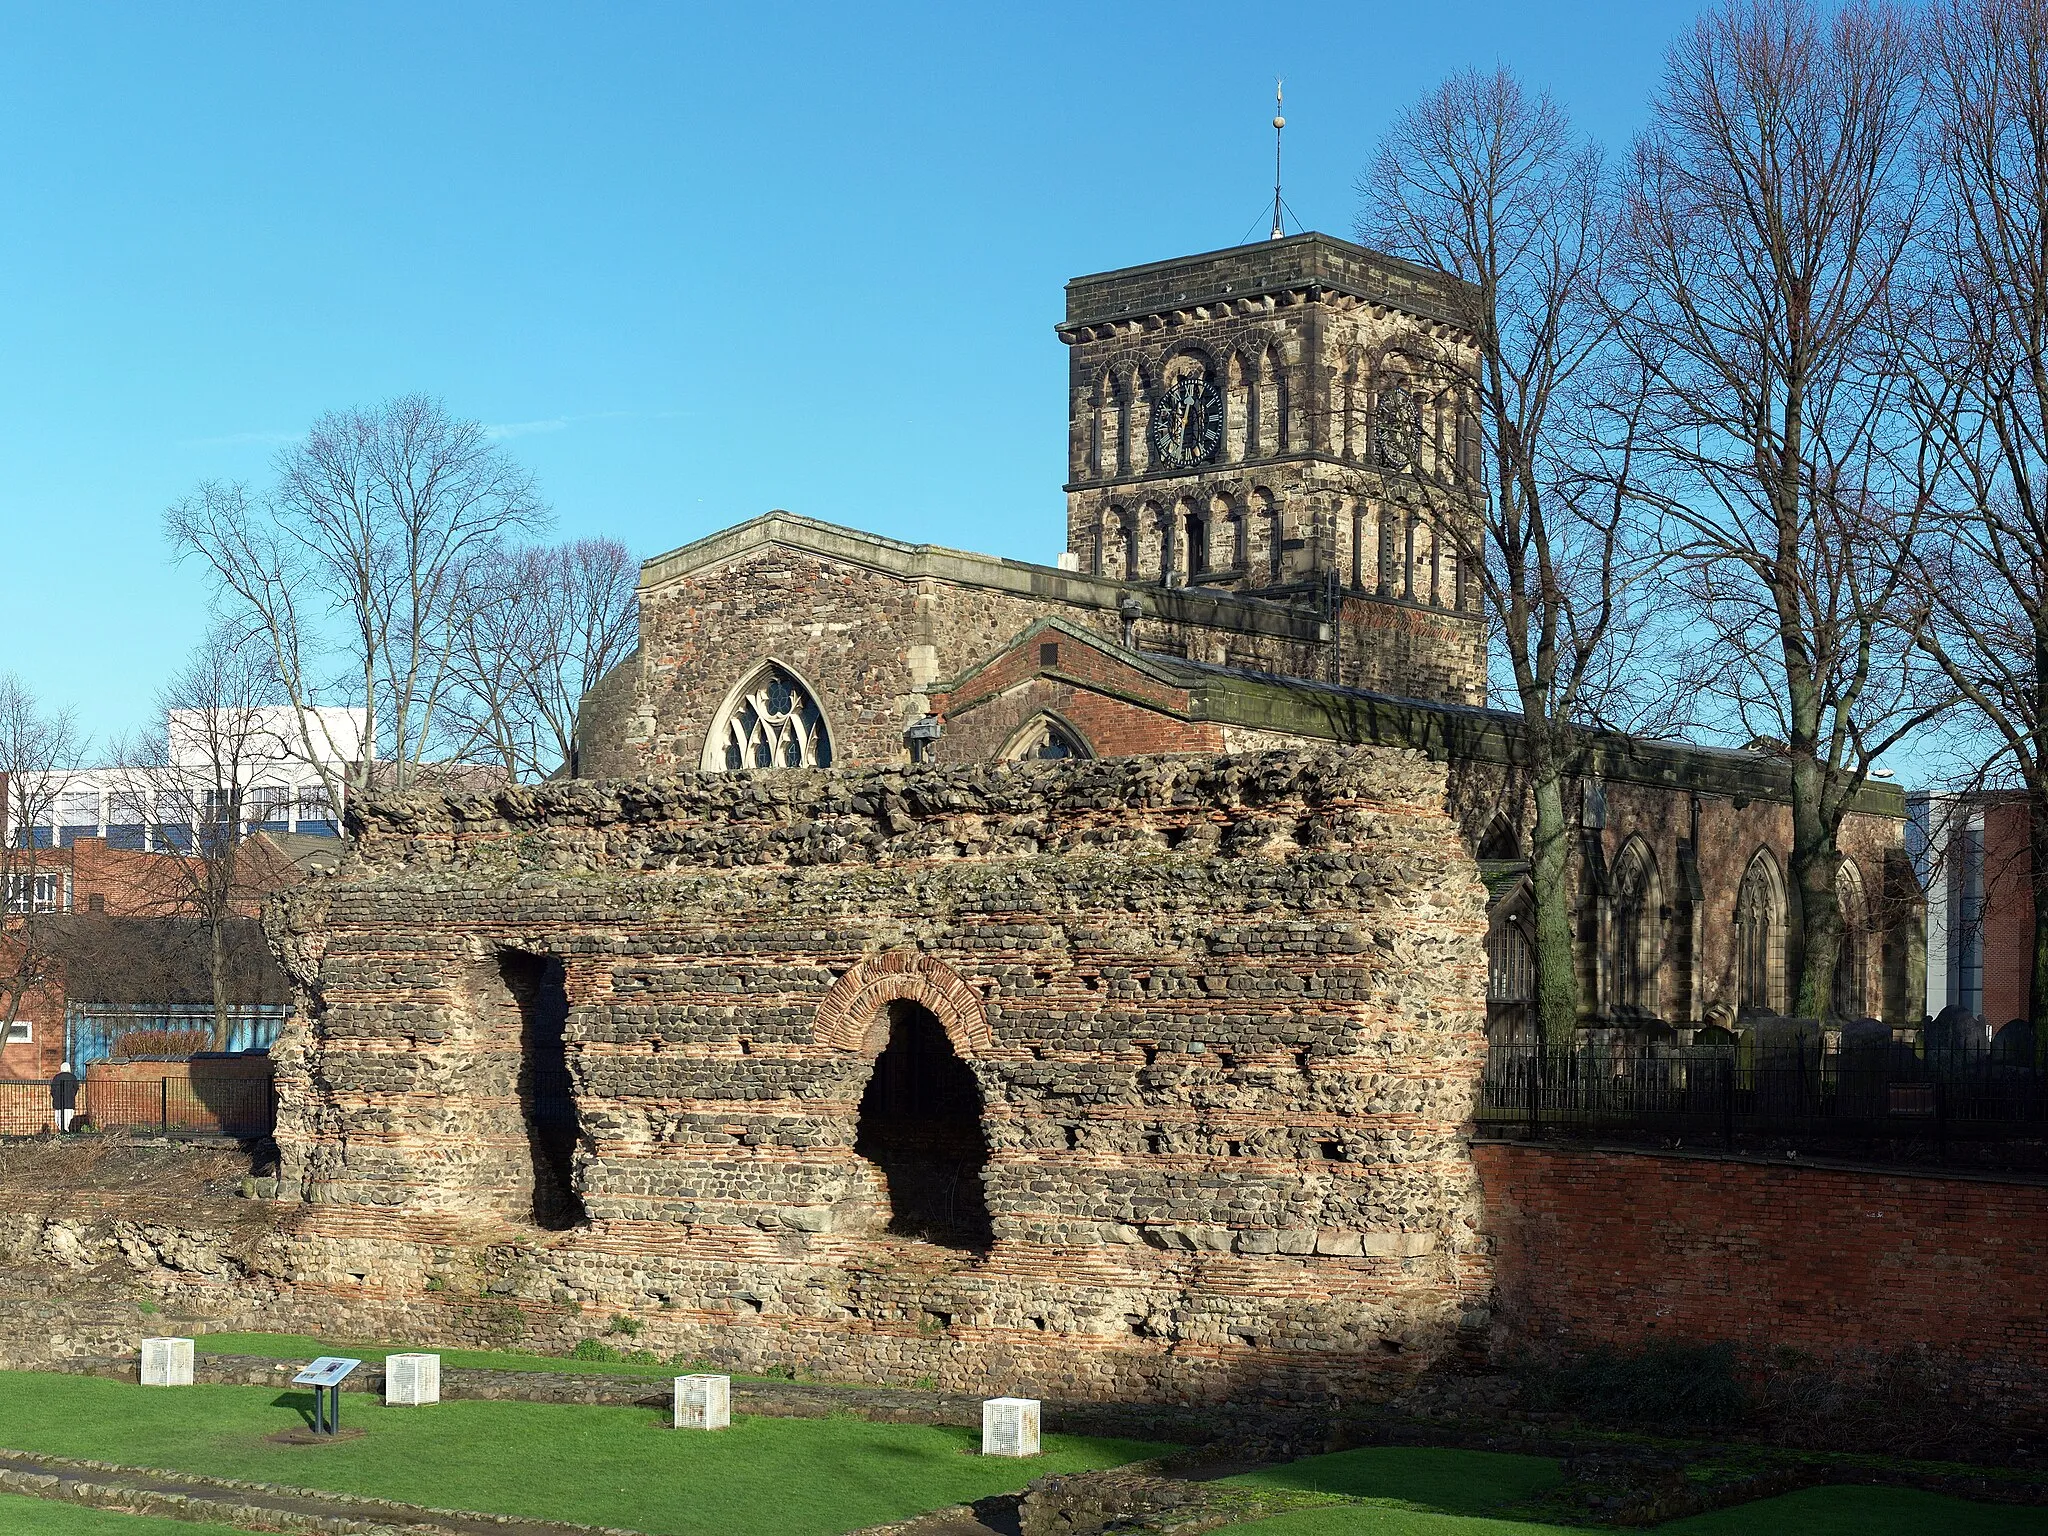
(695, 263)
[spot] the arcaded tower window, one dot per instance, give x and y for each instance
(771, 722)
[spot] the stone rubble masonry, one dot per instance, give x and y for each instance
(1224, 1015)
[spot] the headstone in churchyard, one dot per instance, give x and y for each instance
(703, 1402)
(412, 1381)
(1009, 1426)
(167, 1362)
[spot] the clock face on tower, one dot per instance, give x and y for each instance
(1187, 424)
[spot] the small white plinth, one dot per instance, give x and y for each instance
(1009, 1426)
(703, 1402)
(412, 1381)
(167, 1362)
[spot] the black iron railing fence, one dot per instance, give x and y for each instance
(1888, 1099)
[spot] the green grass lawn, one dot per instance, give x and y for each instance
(597, 1465)
(22, 1516)
(1410, 1492)
(298, 1346)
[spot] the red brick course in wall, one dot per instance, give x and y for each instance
(1624, 1249)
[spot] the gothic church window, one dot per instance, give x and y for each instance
(1045, 738)
(1760, 937)
(1851, 998)
(772, 722)
(1634, 920)
(1510, 970)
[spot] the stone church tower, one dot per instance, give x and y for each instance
(1289, 420)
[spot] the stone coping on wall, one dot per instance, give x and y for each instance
(769, 1399)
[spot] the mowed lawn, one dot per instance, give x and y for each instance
(23, 1516)
(1410, 1492)
(595, 1465)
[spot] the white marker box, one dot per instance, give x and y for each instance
(703, 1402)
(412, 1381)
(1009, 1426)
(167, 1362)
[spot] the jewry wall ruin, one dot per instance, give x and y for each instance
(1103, 1078)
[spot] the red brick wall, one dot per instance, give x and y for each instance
(1627, 1248)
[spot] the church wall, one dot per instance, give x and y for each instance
(868, 643)
(1732, 829)
(1223, 1015)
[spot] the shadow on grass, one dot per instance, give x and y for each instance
(300, 1403)
(1438, 1481)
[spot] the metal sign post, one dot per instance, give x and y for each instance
(325, 1377)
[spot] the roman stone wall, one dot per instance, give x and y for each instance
(1218, 1022)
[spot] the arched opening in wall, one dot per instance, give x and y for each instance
(1390, 554)
(545, 1090)
(920, 1125)
(1194, 539)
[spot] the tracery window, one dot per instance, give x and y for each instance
(1510, 970)
(1044, 738)
(1634, 953)
(1851, 999)
(1760, 938)
(773, 722)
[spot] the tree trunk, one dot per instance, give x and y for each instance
(1813, 864)
(1557, 988)
(219, 935)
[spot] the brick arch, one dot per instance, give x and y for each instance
(852, 1018)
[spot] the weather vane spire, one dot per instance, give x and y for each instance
(1279, 123)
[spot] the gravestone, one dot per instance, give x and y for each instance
(167, 1362)
(703, 1402)
(1009, 1426)
(412, 1381)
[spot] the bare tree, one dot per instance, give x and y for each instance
(548, 623)
(35, 746)
(1770, 216)
(197, 788)
(366, 553)
(1982, 363)
(1488, 181)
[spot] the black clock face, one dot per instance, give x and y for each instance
(1398, 428)
(1187, 424)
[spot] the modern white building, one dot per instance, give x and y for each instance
(284, 789)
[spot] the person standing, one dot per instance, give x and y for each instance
(64, 1096)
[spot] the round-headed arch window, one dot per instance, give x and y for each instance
(773, 722)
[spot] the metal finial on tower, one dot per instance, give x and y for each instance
(1279, 123)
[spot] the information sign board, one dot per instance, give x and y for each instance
(327, 1371)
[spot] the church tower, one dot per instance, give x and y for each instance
(1291, 421)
